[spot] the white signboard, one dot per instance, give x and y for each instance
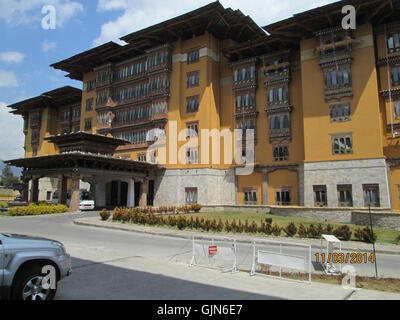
(282, 260)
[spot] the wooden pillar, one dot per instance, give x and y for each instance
(25, 191)
(35, 190)
(144, 186)
(75, 200)
(62, 197)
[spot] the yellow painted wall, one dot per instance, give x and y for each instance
(365, 121)
(283, 178)
(252, 181)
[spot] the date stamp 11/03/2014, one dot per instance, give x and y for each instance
(352, 258)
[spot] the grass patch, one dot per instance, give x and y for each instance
(368, 283)
(384, 235)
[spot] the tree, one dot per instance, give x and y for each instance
(8, 178)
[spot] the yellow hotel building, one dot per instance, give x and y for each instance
(323, 101)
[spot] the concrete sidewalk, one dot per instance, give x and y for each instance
(247, 238)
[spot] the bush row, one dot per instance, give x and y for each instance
(3, 205)
(37, 210)
(137, 216)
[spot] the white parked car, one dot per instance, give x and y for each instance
(86, 199)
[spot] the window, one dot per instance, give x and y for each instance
(249, 124)
(159, 107)
(48, 195)
(102, 97)
(135, 114)
(337, 78)
(35, 136)
(90, 85)
(250, 196)
(279, 123)
(245, 102)
(342, 144)
(320, 199)
(89, 105)
(193, 56)
(191, 195)
(278, 95)
(76, 113)
(193, 79)
(141, 157)
(393, 42)
(88, 124)
(340, 112)
(281, 152)
(244, 74)
(34, 152)
(397, 109)
(371, 195)
(192, 104)
(282, 197)
(396, 75)
(77, 128)
(65, 115)
(192, 156)
(345, 195)
(247, 154)
(192, 130)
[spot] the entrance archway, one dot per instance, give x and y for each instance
(116, 193)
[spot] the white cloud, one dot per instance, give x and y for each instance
(8, 79)
(16, 12)
(11, 134)
(137, 15)
(11, 57)
(47, 46)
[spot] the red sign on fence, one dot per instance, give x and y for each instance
(212, 250)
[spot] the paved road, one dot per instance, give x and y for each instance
(111, 264)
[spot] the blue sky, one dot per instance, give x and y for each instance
(27, 50)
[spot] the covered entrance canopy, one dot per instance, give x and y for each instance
(78, 160)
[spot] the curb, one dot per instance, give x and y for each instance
(208, 236)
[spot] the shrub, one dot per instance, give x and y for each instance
(3, 205)
(314, 231)
(195, 207)
(276, 230)
(397, 238)
(181, 222)
(172, 209)
(342, 232)
(38, 210)
(290, 230)
(266, 227)
(302, 231)
(105, 214)
(365, 235)
(220, 225)
(328, 229)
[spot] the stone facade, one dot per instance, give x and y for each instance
(387, 220)
(349, 172)
(214, 187)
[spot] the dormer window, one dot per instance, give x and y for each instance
(393, 42)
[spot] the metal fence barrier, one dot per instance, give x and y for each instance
(277, 256)
(215, 253)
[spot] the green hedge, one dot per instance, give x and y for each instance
(3, 205)
(145, 216)
(37, 210)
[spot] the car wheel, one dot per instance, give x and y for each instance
(28, 285)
